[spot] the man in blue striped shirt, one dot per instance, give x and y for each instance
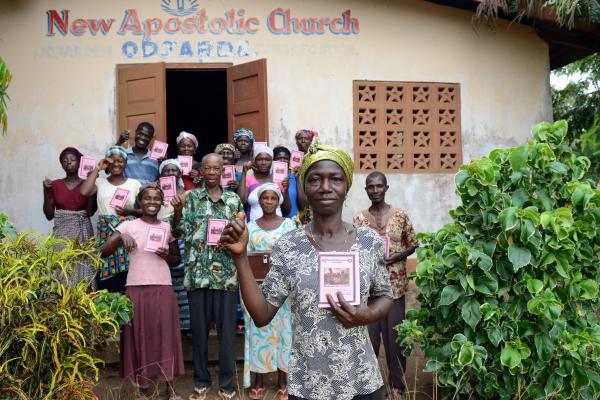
(139, 164)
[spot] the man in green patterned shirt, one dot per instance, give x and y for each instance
(210, 276)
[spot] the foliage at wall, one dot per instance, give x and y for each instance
(49, 327)
(509, 289)
(567, 12)
(6, 228)
(579, 104)
(5, 77)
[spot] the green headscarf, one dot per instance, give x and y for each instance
(318, 152)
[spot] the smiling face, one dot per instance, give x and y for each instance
(325, 186)
(186, 147)
(117, 167)
(150, 201)
(212, 168)
(263, 163)
(303, 141)
(70, 163)
(228, 157)
(170, 170)
(243, 144)
(376, 188)
(269, 201)
(143, 136)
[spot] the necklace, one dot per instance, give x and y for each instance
(311, 235)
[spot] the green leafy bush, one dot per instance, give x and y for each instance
(509, 290)
(48, 326)
(6, 228)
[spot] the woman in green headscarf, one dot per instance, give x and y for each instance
(330, 357)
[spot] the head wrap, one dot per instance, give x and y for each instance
(177, 164)
(186, 135)
(309, 132)
(224, 146)
(262, 149)
(269, 186)
(116, 151)
(69, 150)
(319, 152)
(148, 186)
(243, 132)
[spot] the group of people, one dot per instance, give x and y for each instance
(319, 353)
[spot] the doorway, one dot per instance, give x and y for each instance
(196, 103)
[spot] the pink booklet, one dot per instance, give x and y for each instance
(214, 230)
(119, 199)
(386, 244)
(186, 163)
(156, 238)
(159, 150)
(168, 186)
(296, 159)
(280, 171)
(339, 272)
(228, 175)
(86, 165)
(256, 144)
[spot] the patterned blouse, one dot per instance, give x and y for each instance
(398, 227)
(206, 266)
(327, 360)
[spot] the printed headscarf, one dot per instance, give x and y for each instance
(269, 186)
(318, 152)
(70, 150)
(224, 146)
(309, 132)
(262, 149)
(243, 132)
(177, 164)
(116, 151)
(150, 186)
(186, 135)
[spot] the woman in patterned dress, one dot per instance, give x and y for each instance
(267, 349)
(331, 354)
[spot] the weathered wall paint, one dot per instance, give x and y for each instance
(63, 90)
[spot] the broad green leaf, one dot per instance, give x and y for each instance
(486, 285)
(518, 256)
(449, 295)
(544, 347)
(519, 197)
(466, 354)
(554, 385)
(509, 357)
(534, 286)
(495, 335)
(518, 157)
(470, 312)
(508, 218)
(580, 376)
(589, 289)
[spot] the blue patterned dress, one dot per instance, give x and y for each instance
(267, 349)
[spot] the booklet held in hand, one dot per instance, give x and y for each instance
(339, 273)
(214, 230)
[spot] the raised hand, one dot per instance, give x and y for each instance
(104, 163)
(235, 236)
(177, 202)
(47, 183)
(123, 137)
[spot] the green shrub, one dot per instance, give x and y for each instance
(48, 326)
(509, 290)
(6, 228)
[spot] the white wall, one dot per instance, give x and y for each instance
(63, 88)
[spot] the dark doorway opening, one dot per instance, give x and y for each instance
(197, 103)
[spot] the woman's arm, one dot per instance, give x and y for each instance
(286, 206)
(110, 246)
(92, 206)
(301, 200)
(242, 190)
(88, 187)
(174, 257)
(49, 203)
(235, 239)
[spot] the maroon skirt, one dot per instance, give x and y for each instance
(151, 343)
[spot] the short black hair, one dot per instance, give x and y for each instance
(280, 149)
(146, 125)
(377, 174)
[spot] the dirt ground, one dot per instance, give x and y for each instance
(111, 387)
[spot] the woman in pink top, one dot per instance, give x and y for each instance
(151, 344)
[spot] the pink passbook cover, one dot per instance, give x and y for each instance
(215, 228)
(186, 164)
(86, 164)
(156, 238)
(159, 150)
(296, 159)
(168, 186)
(256, 144)
(339, 272)
(386, 244)
(228, 175)
(119, 199)
(280, 171)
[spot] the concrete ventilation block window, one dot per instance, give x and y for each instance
(406, 127)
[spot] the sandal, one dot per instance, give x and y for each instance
(282, 394)
(199, 394)
(256, 393)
